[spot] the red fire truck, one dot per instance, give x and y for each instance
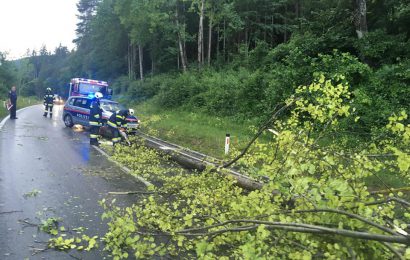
(88, 87)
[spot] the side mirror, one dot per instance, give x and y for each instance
(109, 91)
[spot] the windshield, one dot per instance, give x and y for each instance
(86, 88)
(111, 106)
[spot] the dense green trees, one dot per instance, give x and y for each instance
(6, 76)
(240, 57)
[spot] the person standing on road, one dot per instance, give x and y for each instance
(13, 102)
(95, 119)
(116, 121)
(48, 103)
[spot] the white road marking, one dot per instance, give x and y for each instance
(125, 169)
(7, 117)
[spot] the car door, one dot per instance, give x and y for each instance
(82, 111)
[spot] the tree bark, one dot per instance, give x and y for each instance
(298, 12)
(152, 64)
(133, 61)
(224, 51)
(130, 61)
(201, 34)
(181, 45)
(141, 58)
(210, 40)
(217, 42)
(360, 18)
(285, 37)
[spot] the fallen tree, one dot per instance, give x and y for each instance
(324, 208)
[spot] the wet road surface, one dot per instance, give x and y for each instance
(48, 170)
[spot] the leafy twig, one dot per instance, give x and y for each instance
(10, 212)
(128, 192)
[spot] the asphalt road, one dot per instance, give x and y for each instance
(48, 170)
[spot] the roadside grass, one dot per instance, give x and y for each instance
(386, 180)
(21, 103)
(197, 131)
(206, 134)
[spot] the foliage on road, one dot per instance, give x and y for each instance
(324, 207)
(33, 193)
(79, 243)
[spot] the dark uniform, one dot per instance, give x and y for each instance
(13, 100)
(48, 104)
(117, 119)
(95, 121)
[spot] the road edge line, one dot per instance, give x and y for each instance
(3, 122)
(123, 168)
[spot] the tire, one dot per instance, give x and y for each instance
(68, 121)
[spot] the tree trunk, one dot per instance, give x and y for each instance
(273, 31)
(152, 64)
(224, 52)
(218, 38)
(134, 58)
(201, 33)
(178, 66)
(129, 61)
(181, 44)
(298, 12)
(141, 58)
(210, 40)
(285, 37)
(360, 18)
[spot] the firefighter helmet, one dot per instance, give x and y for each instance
(98, 95)
(131, 112)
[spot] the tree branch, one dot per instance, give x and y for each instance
(10, 212)
(393, 250)
(403, 189)
(352, 215)
(261, 129)
(295, 227)
(390, 199)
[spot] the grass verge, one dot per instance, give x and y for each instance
(21, 103)
(196, 131)
(206, 134)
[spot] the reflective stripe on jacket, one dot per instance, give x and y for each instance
(95, 112)
(117, 120)
(48, 99)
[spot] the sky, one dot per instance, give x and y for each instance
(29, 24)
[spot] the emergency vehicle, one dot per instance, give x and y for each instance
(77, 112)
(88, 87)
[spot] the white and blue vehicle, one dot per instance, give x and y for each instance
(77, 112)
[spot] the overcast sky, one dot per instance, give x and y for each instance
(29, 24)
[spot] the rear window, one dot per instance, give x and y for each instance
(111, 106)
(82, 102)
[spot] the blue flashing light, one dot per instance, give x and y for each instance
(91, 95)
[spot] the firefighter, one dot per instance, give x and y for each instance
(117, 121)
(95, 119)
(48, 103)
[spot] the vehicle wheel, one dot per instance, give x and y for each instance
(68, 121)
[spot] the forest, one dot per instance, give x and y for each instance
(230, 58)
(337, 73)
